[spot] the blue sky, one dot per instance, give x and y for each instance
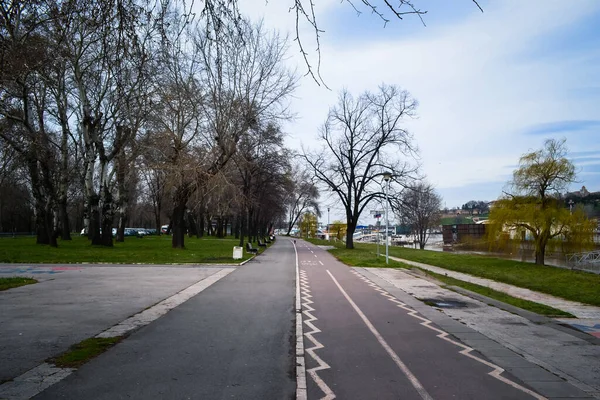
(491, 86)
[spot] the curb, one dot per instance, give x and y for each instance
(40, 378)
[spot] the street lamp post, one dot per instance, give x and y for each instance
(328, 232)
(386, 177)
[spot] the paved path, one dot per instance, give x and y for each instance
(363, 343)
(568, 356)
(74, 302)
(231, 341)
(587, 316)
(363, 338)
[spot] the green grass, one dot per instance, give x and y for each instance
(13, 282)
(503, 297)
(364, 256)
(578, 286)
(84, 351)
(149, 250)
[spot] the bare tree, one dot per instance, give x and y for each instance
(362, 139)
(25, 56)
(217, 86)
(302, 196)
(219, 11)
(420, 206)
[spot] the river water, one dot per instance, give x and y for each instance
(436, 243)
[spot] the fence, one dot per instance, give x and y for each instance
(589, 261)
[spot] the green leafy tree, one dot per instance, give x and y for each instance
(534, 204)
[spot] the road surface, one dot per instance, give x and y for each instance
(237, 340)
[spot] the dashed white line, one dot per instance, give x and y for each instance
(411, 377)
(466, 350)
(321, 262)
(313, 372)
(301, 393)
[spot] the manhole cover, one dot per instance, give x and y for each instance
(441, 303)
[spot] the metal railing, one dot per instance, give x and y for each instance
(588, 261)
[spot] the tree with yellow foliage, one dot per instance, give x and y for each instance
(308, 225)
(534, 204)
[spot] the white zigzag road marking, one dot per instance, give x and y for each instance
(466, 350)
(307, 309)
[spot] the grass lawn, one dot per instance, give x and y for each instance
(580, 286)
(571, 285)
(84, 351)
(503, 297)
(13, 282)
(149, 250)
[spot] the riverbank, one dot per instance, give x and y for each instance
(567, 284)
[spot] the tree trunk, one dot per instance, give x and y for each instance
(242, 221)
(108, 216)
(157, 222)
(350, 235)
(178, 225)
(201, 225)
(64, 184)
(540, 252)
(191, 224)
(121, 227)
(236, 227)
(63, 216)
(94, 223)
(220, 227)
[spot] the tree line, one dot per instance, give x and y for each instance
(106, 104)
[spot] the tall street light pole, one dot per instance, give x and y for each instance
(386, 177)
(328, 232)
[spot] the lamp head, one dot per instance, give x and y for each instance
(387, 176)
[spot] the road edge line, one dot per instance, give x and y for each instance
(414, 381)
(301, 390)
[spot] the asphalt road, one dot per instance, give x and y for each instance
(236, 340)
(232, 341)
(362, 344)
(74, 302)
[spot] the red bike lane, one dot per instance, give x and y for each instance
(362, 343)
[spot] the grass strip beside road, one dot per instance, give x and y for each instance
(84, 351)
(13, 282)
(572, 285)
(537, 308)
(580, 286)
(149, 250)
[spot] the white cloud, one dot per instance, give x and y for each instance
(478, 83)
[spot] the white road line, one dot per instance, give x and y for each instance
(466, 350)
(413, 379)
(313, 372)
(321, 262)
(301, 393)
(315, 255)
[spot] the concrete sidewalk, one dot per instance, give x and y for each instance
(587, 317)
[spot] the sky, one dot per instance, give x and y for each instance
(491, 86)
